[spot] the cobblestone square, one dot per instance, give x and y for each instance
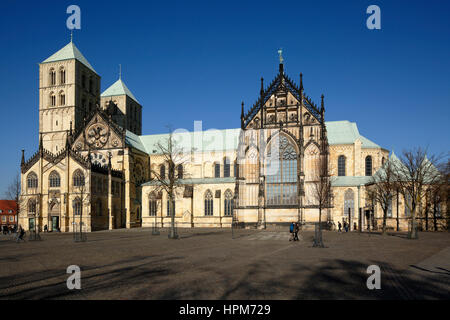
(209, 264)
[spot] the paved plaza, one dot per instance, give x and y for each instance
(209, 264)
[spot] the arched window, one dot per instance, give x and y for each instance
(217, 170)
(78, 179)
(52, 77)
(52, 99)
(408, 204)
(228, 203)
(180, 171)
(152, 205)
(62, 98)
(32, 206)
(349, 202)
(162, 171)
(32, 180)
(368, 166)
(389, 211)
(281, 181)
(226, 167)
(77, 206)
(341, 166)
(383, 161)
(62, 75)
(54, 180)
(209, 209)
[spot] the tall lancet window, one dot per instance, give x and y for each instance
(209, 209)
(52, 77)
(281, 181)
(62, 98)
(368, 166)
(341, 166)
(62, 75)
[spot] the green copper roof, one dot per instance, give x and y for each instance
(70, 51)
(196, 181)
(349, 181)
(339, 132)
(209, 140)
(118, 88)
(346, 132)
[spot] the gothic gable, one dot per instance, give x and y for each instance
(282, 93)
(99, 133)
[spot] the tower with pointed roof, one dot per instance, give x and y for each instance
(123, 107)
(69, 89)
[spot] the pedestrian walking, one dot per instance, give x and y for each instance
(291, 230)
(296, 230)
(339, 226)
(20, 234)
(354, 226)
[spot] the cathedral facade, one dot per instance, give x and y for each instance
(94, 169)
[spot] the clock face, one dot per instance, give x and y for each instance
(99, 159)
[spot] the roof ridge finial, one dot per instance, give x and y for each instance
(71, 36)
(280, 53)
(120, 71)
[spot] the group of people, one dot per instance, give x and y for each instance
(346, 226)
(9, 229)
(19, 232)
(294, 229)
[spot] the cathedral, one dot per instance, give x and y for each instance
(94, 169)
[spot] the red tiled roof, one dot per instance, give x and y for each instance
(6, 205)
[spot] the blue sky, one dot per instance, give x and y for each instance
(197, 60)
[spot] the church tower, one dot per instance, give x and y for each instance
(123, 107)
(69, 89)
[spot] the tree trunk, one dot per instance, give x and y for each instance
(320, 217)
(172, 234)
(413, 234)
(384, 221)
(398, 221)
(434, 217)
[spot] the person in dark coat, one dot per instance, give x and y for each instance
(21, 233)
(292, 231)
(339, 226)
(296, 230)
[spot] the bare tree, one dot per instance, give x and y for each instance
(322, 195)
(382, 186)
(171, 183)
(82, 196)
(414, 176)
(13, 193)
(438, 194)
